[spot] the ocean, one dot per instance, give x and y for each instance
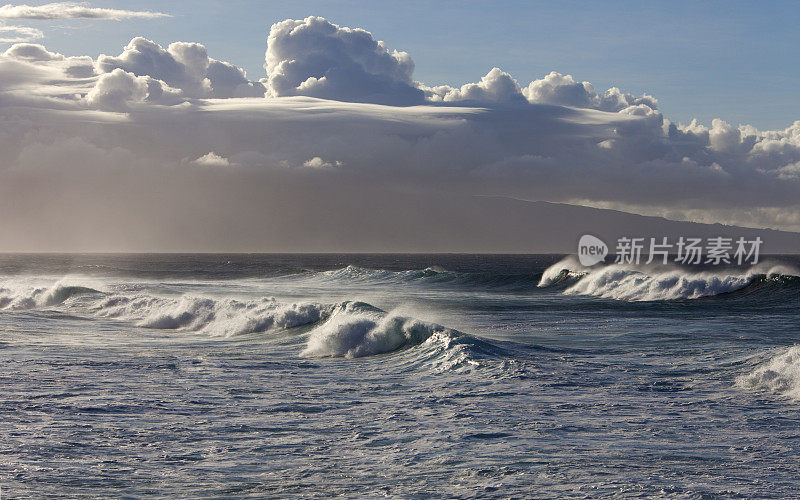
(211, 376)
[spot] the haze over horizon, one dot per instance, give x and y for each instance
(160, 146)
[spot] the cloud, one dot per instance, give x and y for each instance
(313, 57)
(496, 87)
(563, 90)
(115, 90)
(185, 66)
(34, 76)
(15, 34)
(317, 162)
(70, 10)
(32, 52)
(212, 159)
(118, 90)
(342, 114)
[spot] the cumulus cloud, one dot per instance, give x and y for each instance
(313, 57)
(72, 10)
(342, 110)
(115, 90)
(118, 90)
(185, 66)
(563, 90)
(496, 87)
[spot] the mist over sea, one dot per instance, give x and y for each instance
(303, 375)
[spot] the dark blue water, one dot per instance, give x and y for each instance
(396, 375)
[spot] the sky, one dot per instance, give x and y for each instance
(150, 125)
(718, 59)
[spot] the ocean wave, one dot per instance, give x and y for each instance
(429, 276)
(352, 332)
(661, 283)
(451, 351)
(355, 273)
(347, 329)
(779, 375)
(22, 297)
(214, 317)
(356, 330)
(566, 271)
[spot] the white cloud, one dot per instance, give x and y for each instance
(497, 86)
(32, 52)
(115, 90)
(563, 90)
(15, 34)
(313, 57)
(72, 10)
(185, 66)
(212, 159)
(30, 72)
(317, 162)
(333, 107)
(118, 90)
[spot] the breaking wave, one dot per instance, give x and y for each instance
(30, 297)
(356, 329)
(661, 283)
(215, 317)
(348, 329)
(779, 375)
(567, 271)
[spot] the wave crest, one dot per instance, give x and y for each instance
(26, 297)
(566, 271)
(356, 330)
(215, 317)
(353, 332)
(658, 283)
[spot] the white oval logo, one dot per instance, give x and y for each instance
(591, 250)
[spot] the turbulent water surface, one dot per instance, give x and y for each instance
(371, 375)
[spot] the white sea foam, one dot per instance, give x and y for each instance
(216, 317)
(650, 283)
(619, 283)
(566, 268)
(350, 329)
(212, 316)
(353, 332)
(780, 374)
(448, 352)
(25, 294)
